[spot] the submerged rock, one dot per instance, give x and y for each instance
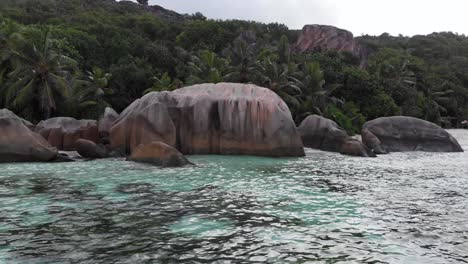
(160, 154)
(90, 150)
(19, 144)
(63, 132)
(356, 148)
(62, 157)
(223, 118)
(402, 134)
(321, 133)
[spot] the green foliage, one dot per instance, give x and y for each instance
(76, 57)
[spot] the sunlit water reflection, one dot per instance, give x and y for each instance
(400, 208)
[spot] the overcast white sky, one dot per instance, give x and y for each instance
(408, 17)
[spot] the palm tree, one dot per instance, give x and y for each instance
(8, 39)
(278, 78)
(316, 95)
(242, 59)
(207, 67)
(164, 83)
(98, 82)
(38, 77)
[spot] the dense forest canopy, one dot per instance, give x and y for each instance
(75, 57)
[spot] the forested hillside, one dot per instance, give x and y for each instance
(75, 57)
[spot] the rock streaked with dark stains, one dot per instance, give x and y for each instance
(90, 150)
(321, 37)
(321, 133)
(160, 154)
(403, 134)
(224, 118)
(19, 144)
(63, 132)
(356, 148)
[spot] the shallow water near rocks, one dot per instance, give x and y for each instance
(400, 208)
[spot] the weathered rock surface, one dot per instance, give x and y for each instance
(19, 144)
(160, 154)
(90, 150)
(321, 133)
(105, 124)
(353, 147)
(373, 142)
(63, 132)
(402, 134)
(320, 38)
(223, 118)
(5, 113)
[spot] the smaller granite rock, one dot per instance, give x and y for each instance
(373, 142)
(90, 150)
(354, 147)
(402, 134)
(321, 133)
(19, 144)
(160, 154)
(63, 132)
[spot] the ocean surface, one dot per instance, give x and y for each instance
(323, 208)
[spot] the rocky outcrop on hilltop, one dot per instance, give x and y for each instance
(403, 134)
(320, 38)
(224, 118)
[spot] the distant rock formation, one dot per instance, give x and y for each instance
(63, 132)
(224, 118)
(403, 134)
(320, 38)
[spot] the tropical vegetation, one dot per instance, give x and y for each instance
(76, 57)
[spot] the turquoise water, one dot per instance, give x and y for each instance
(400, 208)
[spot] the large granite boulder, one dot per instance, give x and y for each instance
(224, 118)
(321, 133)
(320, 38)
(402, 134)
(90, 150)
(160, 154)
(63, 132)
(5, 113)
(19, 144)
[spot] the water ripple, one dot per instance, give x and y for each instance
(400, 208)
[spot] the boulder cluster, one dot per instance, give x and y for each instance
(225, 118)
